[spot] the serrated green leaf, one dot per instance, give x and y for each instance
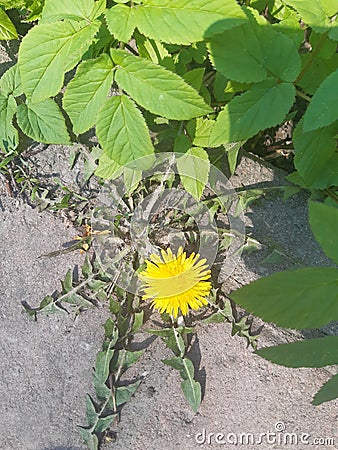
(87, 91)
(248, 53)
(318, 16)
(329, 391)
(9, 137)
(75, 10)
(50, 50)
(302, 298)
(313, 155)
(121, 22)
(10, 82)
(202, 132)
(91, 414)
(187, 21)
(43, 122)
(232, 151)
(122, 130)
(7, 28)
(194, 77)
(263, 106)
(124, 393)
(193, 168)
(108, 169)
(156, 89)
(324, 224)
(323, 109)
(318, 352)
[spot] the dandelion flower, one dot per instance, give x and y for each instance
(176, 283)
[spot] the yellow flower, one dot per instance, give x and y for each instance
(176, 283)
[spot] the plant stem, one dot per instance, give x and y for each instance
(302, 95)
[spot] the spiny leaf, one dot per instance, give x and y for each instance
(87, 91)
(50, 50)
(187, 21)
(43, 122)
(158, 90)
(122, 130)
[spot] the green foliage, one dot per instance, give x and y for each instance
(158, 75)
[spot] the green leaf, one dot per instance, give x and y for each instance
(90, 439)
(10, 82)
(248, 53)
(158, 90)
(67, 283)
(122, 130)
(313, 154)
(138, 321)
(131, 179)
(9, 137)
(264, 105)
(124, 393)
(302, 298)
(190, 387)
(194, 77)
(102, 363)
(193, 168)
(43, 122)
(91, 414)
(7, 28)
(201, 131)
(87, 91)
(75, 10)
(121, 22)
(187, 21)
(317, 14)
(329, 391)
(87, 269)
(324, 224)
(104, 422)
(50, 50)
(323, 109)
(108, 169)
(317, 352)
